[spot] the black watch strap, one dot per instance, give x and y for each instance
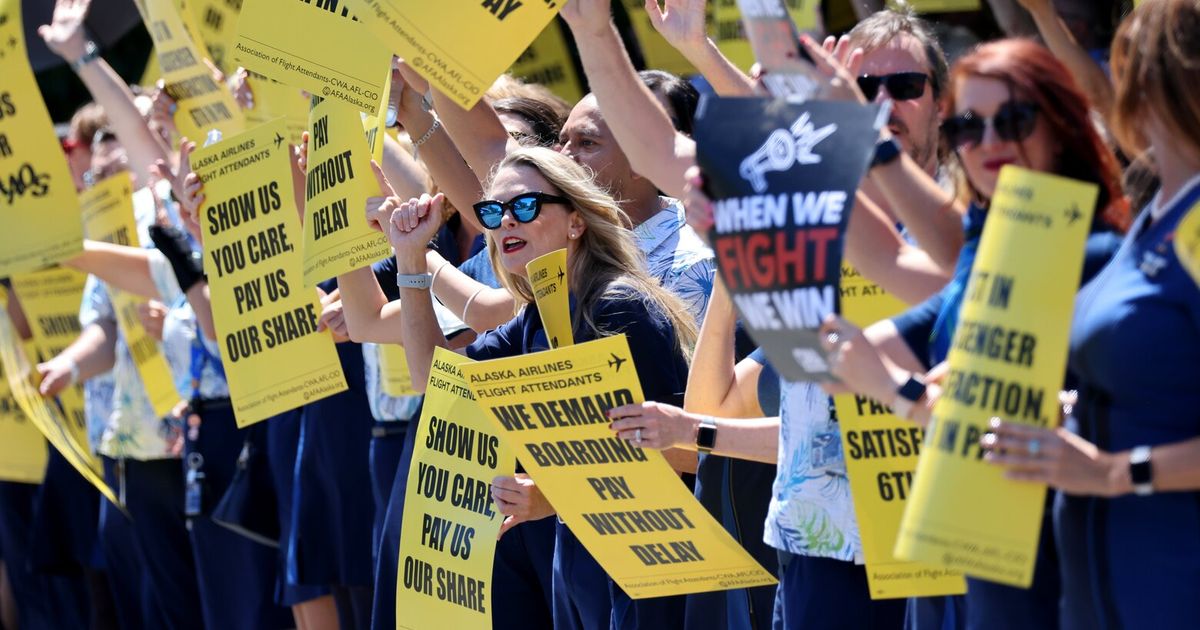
(886, 152)
(706, 435)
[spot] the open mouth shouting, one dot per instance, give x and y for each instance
(512, 244)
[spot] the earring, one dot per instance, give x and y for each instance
(573, 236)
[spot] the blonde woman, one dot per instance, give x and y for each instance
(539, 201)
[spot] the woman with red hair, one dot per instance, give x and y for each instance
(1127, 463)
(1009, 102)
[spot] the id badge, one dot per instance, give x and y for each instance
(193, 495)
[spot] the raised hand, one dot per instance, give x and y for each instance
(64, 35)
(839, 64)
(187, 187)
(239, 84)
(380, 207)
(585, 16)
(681, 22)
(413, 224)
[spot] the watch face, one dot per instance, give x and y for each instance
(706, 437)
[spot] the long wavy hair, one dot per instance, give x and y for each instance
(1032, 73)
(607, 262)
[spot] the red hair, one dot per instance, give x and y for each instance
(1033, 74)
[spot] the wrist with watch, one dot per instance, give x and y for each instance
(706, 434)
(90, 53)
(1141, 473)
(907, 397)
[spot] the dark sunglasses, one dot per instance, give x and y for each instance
(1013, 122)
(524, 208)
(902, 86)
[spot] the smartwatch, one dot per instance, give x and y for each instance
(886, 152)
(706, 435)
(414, 280)
(908, 395)
(1140, 471)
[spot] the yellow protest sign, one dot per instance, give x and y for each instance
(39, 213)
(444, 578)
(202, 102)
(22, 447)
(881, 455)
(152, 72)
(657, 52)
(442, 40)
(1187, 242)
(375, 125)
(1007, 358)
(943, 6)
(548, 278)
(45, 415)
(625, 504)
(266, 321)
(51, 300)
(216, 22)
(273, 100)
(548, 62)
(727, 31)
(393, 365)
(276, 38)
(337, 238)
(108, 217)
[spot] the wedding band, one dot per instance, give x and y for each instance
(637, 436)
(1035, 447)
(832, 339)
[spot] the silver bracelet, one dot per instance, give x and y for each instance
(467, 306)
(428, 134)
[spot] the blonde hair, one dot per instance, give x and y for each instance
(607, 262)
(1156, 68)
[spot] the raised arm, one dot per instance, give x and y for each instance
(1091, 77)
(452, 173)
(639, 122)
(682, 23)
(931, 214)
(419, 326)
(65, 36)
(875, 249)
(120, 266)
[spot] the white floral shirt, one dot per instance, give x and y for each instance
(677, 257)
(811, 513)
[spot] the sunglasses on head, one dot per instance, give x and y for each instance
(524, 208)
(1013, 122)
(902, 86)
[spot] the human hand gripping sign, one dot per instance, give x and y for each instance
(519, 499)
(588, 16)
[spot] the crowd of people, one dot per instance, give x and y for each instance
(295, 521)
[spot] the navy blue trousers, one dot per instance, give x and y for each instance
(586, 599)
(154, 500)
(283, 439)
(44, 601)
(236, 575)
(827, 594)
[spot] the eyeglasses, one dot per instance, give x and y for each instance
(1014, 121)
(524, 208)
(902, 86)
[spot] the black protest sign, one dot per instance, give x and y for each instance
(782, 177)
